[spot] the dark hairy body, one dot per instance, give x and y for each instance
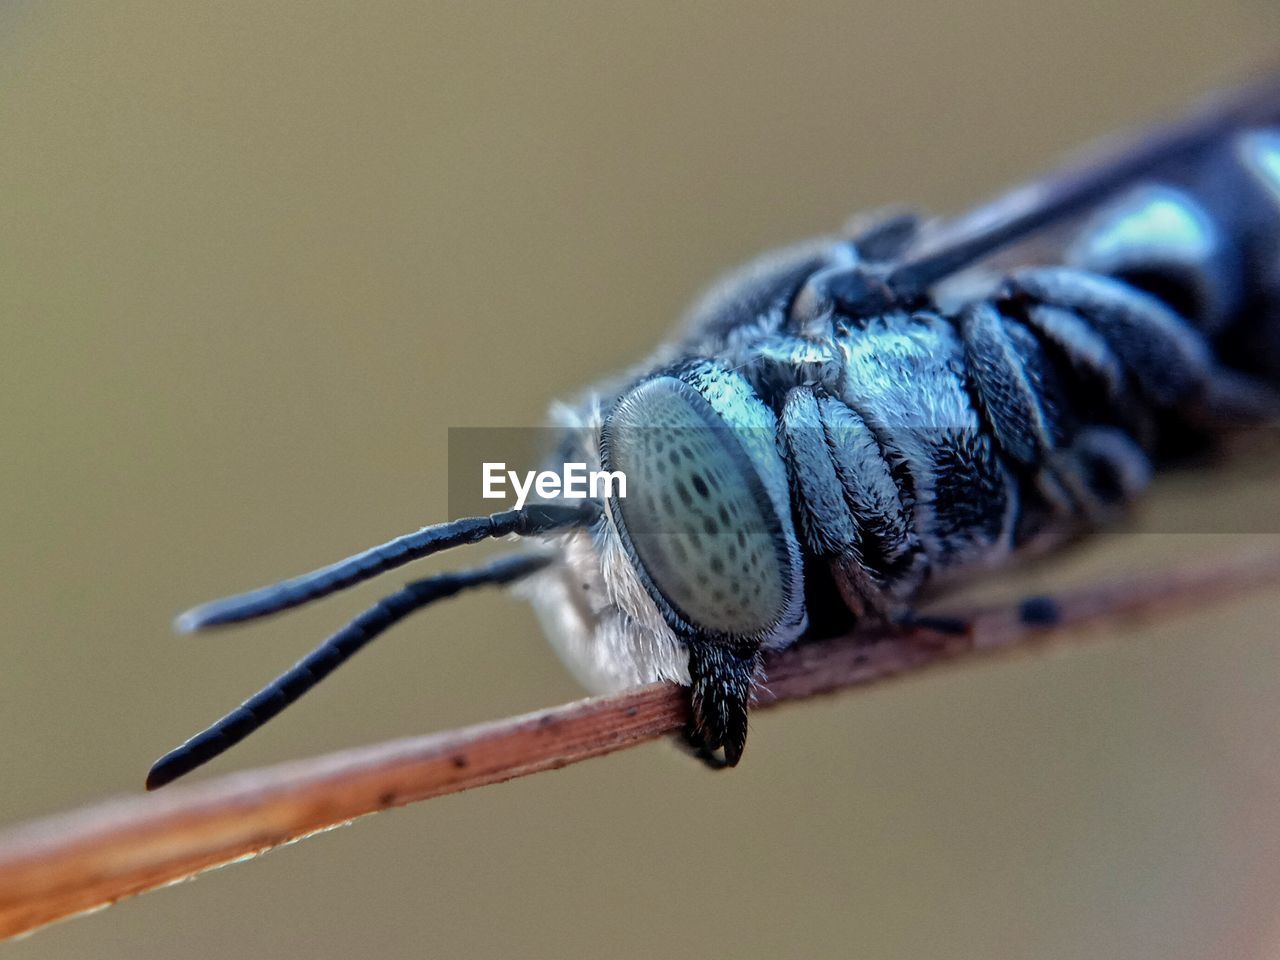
(934, 437)
(929, 436)
(852, 422)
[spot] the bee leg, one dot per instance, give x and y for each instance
(1010, 373)
(833, 462)
(723, 681)
(1167, 358)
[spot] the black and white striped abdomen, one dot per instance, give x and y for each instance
(1206, 241)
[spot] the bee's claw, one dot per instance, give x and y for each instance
(723, 680)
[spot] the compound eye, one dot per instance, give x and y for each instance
(697, 518)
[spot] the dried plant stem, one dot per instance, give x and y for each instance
(67, 864)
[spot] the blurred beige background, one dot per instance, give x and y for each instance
(255, 259)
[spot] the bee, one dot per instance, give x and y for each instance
(848, 424)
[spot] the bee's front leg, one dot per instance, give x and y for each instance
(723, 679)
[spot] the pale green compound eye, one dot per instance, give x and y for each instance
(697, 517)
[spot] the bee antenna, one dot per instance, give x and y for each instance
(529, 521)
(330, 655)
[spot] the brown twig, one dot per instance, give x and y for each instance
(64, 865)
